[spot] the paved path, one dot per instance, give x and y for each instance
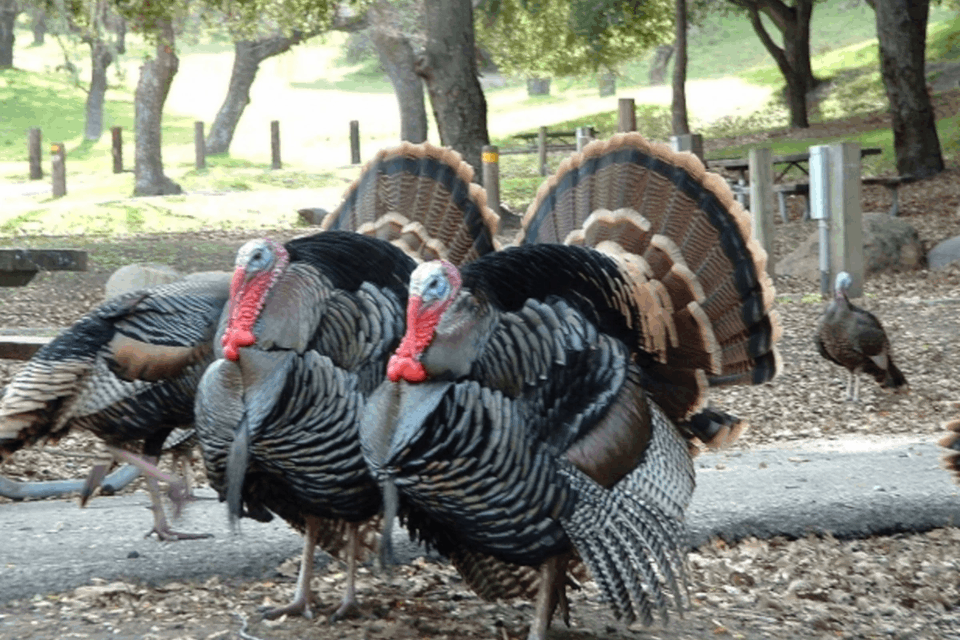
(51, 546)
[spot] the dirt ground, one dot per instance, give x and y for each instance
(903, 586)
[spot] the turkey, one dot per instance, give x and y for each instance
(854, 339)
(541, 405)
(70, 382)
(311, 325)
(951, 461)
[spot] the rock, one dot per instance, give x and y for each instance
(311, 216)
(138, 276)
(945, 253)
(889, 244)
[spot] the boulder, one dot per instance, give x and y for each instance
(889, 244)
(138, 276)
(945, 253)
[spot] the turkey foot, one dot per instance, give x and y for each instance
(299, 606)
(348, 609)
(160, 525)
(301, 599)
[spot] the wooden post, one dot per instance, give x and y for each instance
(692, 142)
(58, 169)
(116, 135)
(846, 225)
(33, 149)
(275, 144)
(491, 176)
(200, 147)
(354, 142)
(761, 200)
(542, 150)
(626, 115)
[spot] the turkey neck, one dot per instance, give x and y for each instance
(460, 337)
(292, 310)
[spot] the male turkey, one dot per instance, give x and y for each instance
(534, 407)
(311, 326)
(854, 339)
(69, 383)
(951, 442)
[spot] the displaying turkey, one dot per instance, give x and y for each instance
(311, 326)
(69, 383)
(854, 339)
(532, 407)
(951, 442)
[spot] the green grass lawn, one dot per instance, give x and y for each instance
(305, 80)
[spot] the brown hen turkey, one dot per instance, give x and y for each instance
(854, 339)
(540, 407)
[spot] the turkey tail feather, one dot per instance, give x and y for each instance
(421, 198)
(632, 537)
(683, 244)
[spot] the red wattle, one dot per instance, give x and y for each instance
(405, 368)
(234, 339)
(405, 362)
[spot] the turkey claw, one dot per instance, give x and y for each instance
(297, 607)
(345, 610)
(169, 535)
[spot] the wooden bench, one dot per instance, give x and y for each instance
(792, 189)
(893, 186)
(803, 189)
(22, 344)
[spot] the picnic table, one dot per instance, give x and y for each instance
(558, 137)
(17, 268)
(800, 161)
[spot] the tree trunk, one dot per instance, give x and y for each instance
(8, 18)
(248, 54)
(39, 25)
(793, 59)
(398, 60)
(449, 67)
(156, 76)
(607, 84)
(100, 59)
(538, 86)
(658, 68)
(902, 31)
(678, 109)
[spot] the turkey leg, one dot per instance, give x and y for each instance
(551, 593)
(160, 525)
(349, 602)
(301, 598)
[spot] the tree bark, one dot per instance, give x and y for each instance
(101, 58)
(449, 67)
(156, 76)
(793, 59)
(9, 9)
(398, 60)
(678, 109)
(248, 54)
(658, 68)
(902, 32)
(39, 25)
